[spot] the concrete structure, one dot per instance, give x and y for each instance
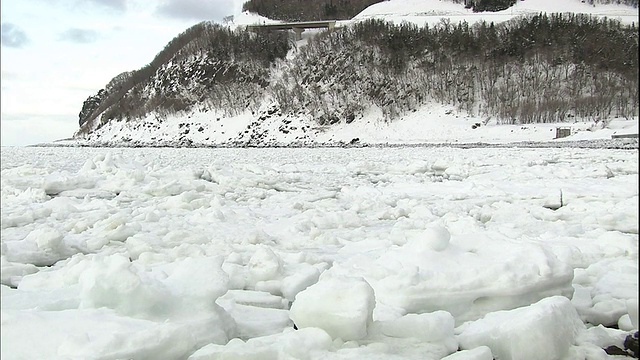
(562, 132)
(297, 27)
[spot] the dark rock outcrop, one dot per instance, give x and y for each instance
(90, 105)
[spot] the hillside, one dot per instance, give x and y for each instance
(524, 67)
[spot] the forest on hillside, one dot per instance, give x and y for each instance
(208, 65)
(540, 68)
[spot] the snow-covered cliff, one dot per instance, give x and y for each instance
(223, 86)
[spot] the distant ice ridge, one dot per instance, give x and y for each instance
(400, 252)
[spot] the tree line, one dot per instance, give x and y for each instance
(308, 10)
(541, 68)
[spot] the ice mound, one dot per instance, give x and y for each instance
(90, 334)
(468, 276)
(543, 331)
(341, 306)
(603, 290)
(184, 288)
(181, 294)
(42, 246)
(291, 344)
(434, 238)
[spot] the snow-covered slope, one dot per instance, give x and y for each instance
(432, 11)
(431, 124)
(265, 125)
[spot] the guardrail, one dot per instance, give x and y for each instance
(297, 27)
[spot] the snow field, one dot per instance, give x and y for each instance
(430, 12)
(379, 253)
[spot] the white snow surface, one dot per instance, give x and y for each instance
(379, 253)
(430, 124)
(432, 12)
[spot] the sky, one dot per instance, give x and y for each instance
(56, 53)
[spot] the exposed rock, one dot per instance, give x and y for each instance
(90, 105)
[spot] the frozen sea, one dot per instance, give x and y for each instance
(329, 253)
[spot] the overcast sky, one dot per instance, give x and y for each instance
(56, 53)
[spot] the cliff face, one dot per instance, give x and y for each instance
(205, 68)
(92, 104)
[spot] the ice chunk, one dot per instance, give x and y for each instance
(235, 349)
(287, 345)
(431, 327)
(62, 181)
(255, 298)
(200, 280)
(462, 277)
(624, 323)
(113, 282)
(264, 264)
(89, 334)
(602, 337)
(237, 275)
(41, 247)
(439, 167)
(434, 238)
(605, 287)
(253, 321)
(48, 240)
(542, 331)
(12, 273)
(479, 353)
(305, 276)
(341, 306)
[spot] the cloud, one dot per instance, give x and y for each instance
(79, 36)
(119, 5)
(196, 9)
(13, 36)
(90, 6)
(30, 129)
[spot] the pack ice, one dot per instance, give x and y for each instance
(376, 253)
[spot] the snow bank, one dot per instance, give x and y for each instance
(431, 11)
